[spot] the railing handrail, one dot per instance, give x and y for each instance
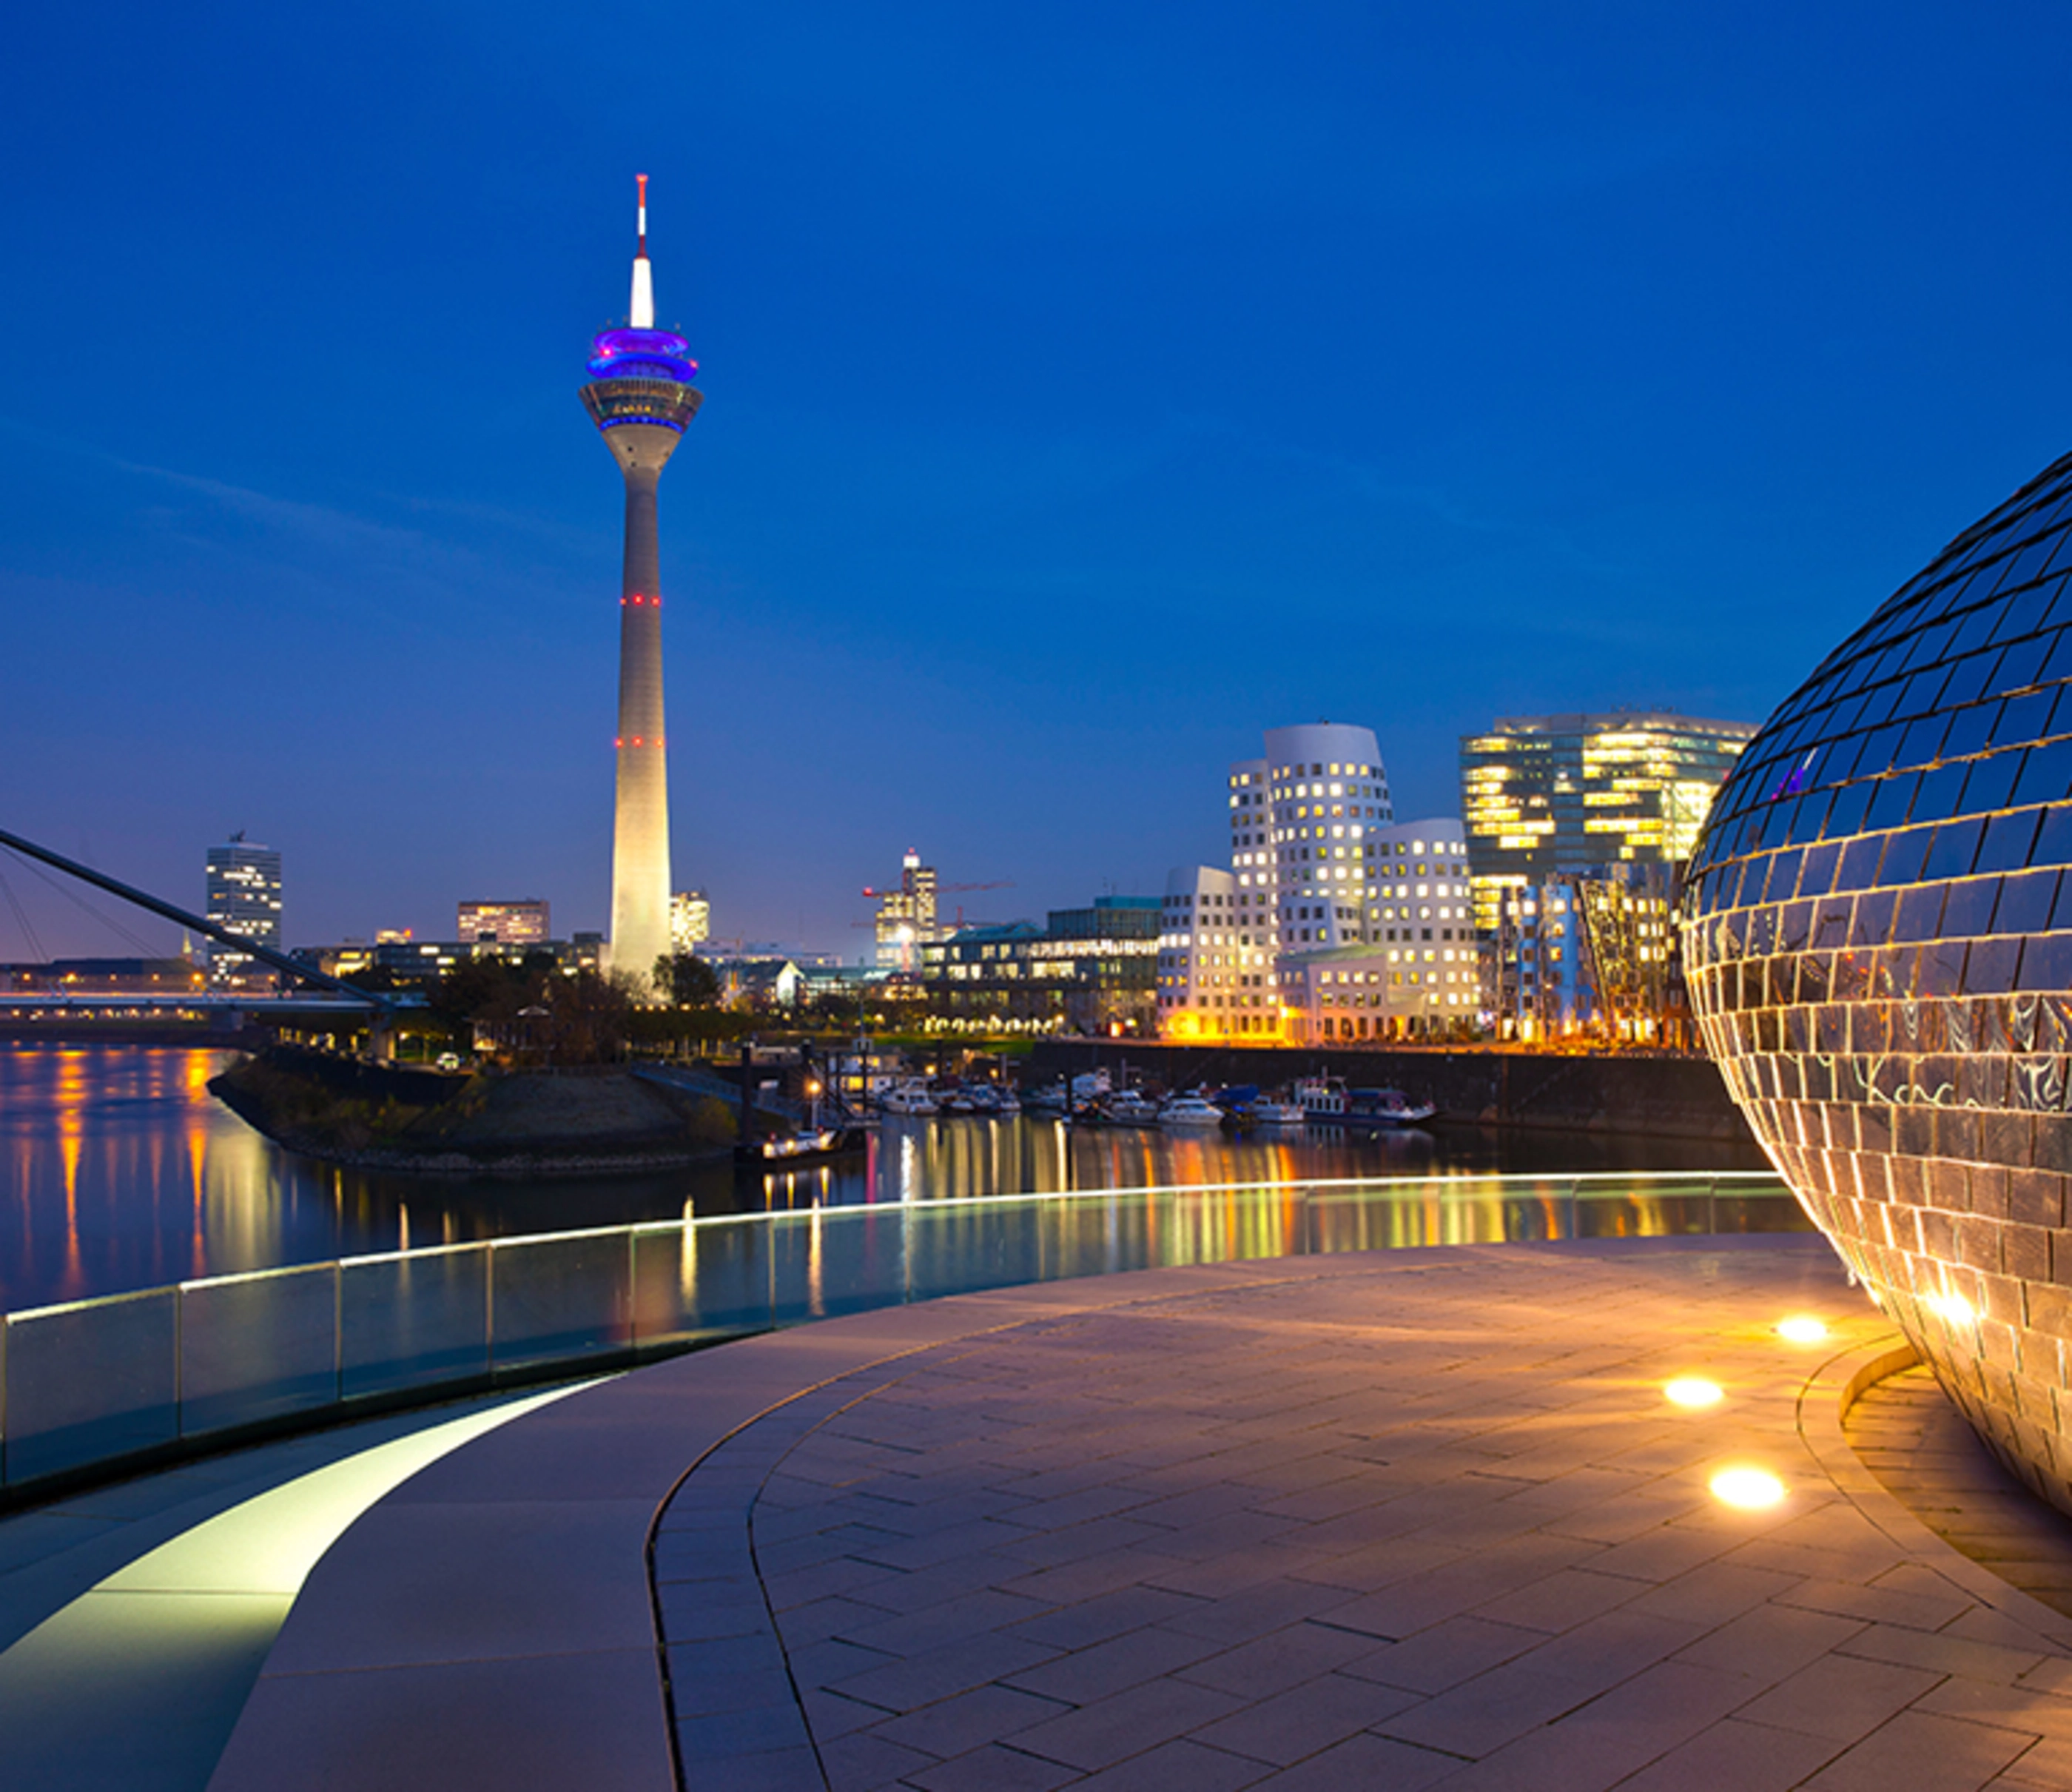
(194, 1365)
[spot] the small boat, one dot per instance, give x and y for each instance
(956, 1099)
(1387, 1107)
(1050, 1099)
(781, 1150)
(1268, 1111)
(1129, 1108)
(910, 1097)
(1190, 1110)
(1010, 1103)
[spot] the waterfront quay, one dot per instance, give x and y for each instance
(1581, 1516)
(1664, 1094)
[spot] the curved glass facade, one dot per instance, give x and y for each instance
(1879, 940)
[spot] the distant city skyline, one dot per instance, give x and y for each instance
(1082, 398)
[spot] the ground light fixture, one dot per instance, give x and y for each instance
(1802, 1328)
(1748, 1490)
(1692, 1390)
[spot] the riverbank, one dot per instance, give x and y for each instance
(530, 1123)
(1675, 1098)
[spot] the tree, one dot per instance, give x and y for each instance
(687, 980)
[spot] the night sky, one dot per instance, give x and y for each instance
(1088, 388)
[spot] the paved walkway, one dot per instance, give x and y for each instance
(1408, 1519)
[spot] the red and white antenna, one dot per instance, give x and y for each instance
(642, 316)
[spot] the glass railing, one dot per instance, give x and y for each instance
(93, 1385)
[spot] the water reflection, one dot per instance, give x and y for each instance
(118, 1171)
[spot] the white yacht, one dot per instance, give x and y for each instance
(1189, 1111)
(909, 1096)
(1128, 1108)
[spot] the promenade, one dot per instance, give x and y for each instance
(1404, 1519)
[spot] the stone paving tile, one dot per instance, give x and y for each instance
(1177, 1766)
(1105, 1730)
(1279, 1660)
(1733, 1756)
(1096, 1620)
(1841, 1697)
(1307, 1717)
(995, 1768)
(1364, 1762)
(1922, 1753)
(912, 1680)
(1433, 1661)
(955, 1726)
(1614, 1735)
(1084, 1675)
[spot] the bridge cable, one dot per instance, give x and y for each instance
(28, 930)
(143, 946)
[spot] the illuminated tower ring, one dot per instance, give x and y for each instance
(1878, 933)
(641, 397)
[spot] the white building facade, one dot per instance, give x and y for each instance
(1334, 921)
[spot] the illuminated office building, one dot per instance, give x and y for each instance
(641, 398)
(907, 915)
(1878, 934)
(522, 922)
(690, 920)
(244, 898)
(1546, 796)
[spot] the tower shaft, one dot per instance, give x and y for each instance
(640, 398)
(640, 833)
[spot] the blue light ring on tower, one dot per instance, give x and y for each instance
(665, 402)
(646, 353)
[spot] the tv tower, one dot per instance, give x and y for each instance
(641, 396)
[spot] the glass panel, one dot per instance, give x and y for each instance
(85, 1382)
(2047, 776)
(554, 1297)
(2009, 842)
(1904, 854)
(411, 1319)
(2020, 664)
(1971, 731)
(727, 1279)
(1968, 681)
(1990, 783)
(252, 1347)
(2026, 902)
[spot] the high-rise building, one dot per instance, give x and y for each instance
(641, 398)
(244, 893)
(1330, 904)
(690, 920)
(1548, 795)
(522, 921)
(907, 915)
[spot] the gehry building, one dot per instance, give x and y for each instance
(1878, 935)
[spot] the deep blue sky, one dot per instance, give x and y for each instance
(1088, 387)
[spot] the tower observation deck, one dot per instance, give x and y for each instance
(641, 396)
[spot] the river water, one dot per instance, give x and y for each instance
(118, 1170)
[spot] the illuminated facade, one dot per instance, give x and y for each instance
(244, 898)
(690, 920)
(1878, 934)
(1319, 866)
(523, 922)
(641, 398)
(1090, 969)
(907, 915)
(1544, 796)
(1591, 956)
